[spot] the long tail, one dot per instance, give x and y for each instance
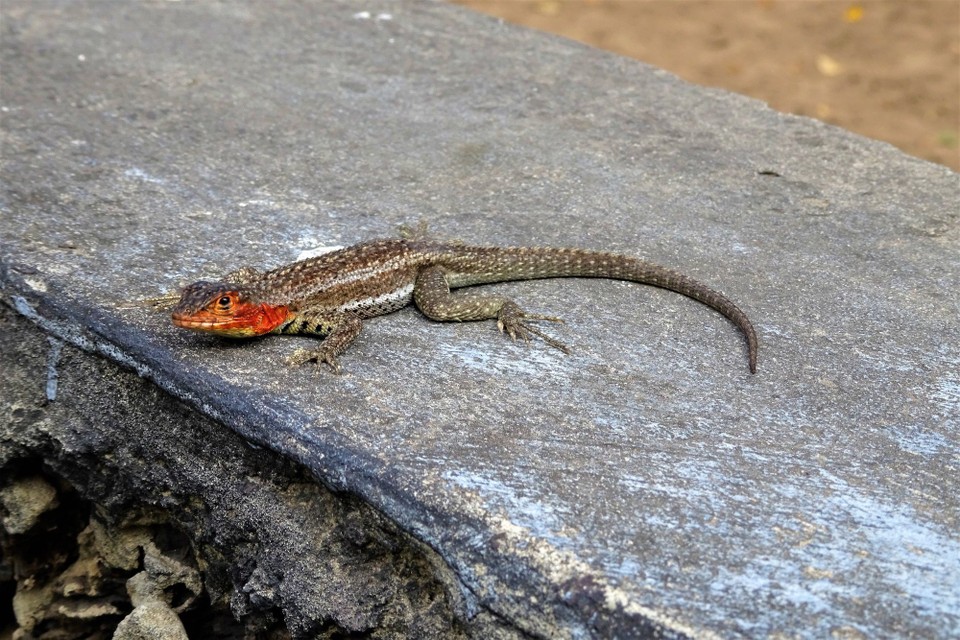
(478, 265)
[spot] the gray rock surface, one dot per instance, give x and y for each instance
(645, 482)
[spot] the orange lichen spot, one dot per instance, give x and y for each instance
(853, 13)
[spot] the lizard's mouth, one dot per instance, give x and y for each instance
(228, 327)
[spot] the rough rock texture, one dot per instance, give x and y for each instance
(151, 620)
(24, 500)
(645, 484)
(191, 521)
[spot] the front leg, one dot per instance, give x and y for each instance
(433, 297)
(339, 329)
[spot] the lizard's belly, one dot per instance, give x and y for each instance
(377, 305)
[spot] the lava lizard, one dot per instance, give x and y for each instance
(330, 295)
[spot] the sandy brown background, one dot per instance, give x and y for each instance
(888, 69)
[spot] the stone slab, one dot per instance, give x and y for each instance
(646, 481)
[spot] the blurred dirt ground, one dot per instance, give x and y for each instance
(887, 69)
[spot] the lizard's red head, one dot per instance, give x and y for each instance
(226, 309)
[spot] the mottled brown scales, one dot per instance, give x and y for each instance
(331, 294)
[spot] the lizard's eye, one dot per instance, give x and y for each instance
(224, 301)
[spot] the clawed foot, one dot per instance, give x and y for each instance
(511, 321)
(321, 356)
